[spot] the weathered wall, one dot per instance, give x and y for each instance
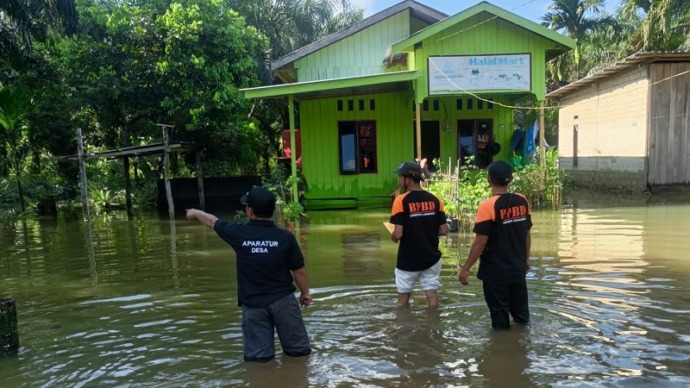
(611, 119)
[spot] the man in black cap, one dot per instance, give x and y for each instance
(267, 259)
(419, 218)
(503, 242)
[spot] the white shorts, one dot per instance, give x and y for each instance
(428, 278)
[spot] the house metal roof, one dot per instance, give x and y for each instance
(637, 59)
(484, 6)
(370, 83)
(418, 10)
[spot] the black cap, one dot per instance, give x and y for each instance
(260, 199)
(500, 172)
(410, 169)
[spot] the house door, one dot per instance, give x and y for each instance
(473, 137)
(431, 141)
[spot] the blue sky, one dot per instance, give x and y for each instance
(530, 9)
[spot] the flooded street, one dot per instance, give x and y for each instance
(147, 302)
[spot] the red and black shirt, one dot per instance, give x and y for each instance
(506, 218)
(420, 213)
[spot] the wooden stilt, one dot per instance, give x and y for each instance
(166, 178)
(128, 186)
(9, 336)
(200, 181)
(82, 170)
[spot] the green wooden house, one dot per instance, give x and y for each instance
(407, 82)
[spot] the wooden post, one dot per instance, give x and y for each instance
(542, 148)
(9, 336)
(293, 146)
(166, 160)
(200, 180)
(82, 170)
(128, 186)
(418, 128)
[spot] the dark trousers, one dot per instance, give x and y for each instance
(505, 300)
(260, 324)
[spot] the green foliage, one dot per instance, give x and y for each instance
(280, 182)
(542, 185)
(181, 63)
(103, 198)
(462, 191)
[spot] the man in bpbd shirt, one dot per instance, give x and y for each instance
(268, 258)
(502, 243)
(419, 219)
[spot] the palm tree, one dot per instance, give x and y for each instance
(24, 21)
(574, 18)
(665, 24)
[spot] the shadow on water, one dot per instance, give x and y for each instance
(150, 302)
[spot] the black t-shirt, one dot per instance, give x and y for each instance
(420, 213)
(265, 256)
(506, 219)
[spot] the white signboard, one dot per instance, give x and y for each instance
(457, 74)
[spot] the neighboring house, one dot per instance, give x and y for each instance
(627, 127)
(405, 82)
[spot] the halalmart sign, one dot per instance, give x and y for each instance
(461, 73)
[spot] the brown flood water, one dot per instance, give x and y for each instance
(147, 302)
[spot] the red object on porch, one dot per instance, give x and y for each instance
(287, 147)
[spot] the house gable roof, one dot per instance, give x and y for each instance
(484, 6)
(418, 10)
(637, 59)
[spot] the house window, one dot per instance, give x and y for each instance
(361, 104)
(372, 104)
(357, 143)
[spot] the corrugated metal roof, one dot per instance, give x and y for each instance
(418, 10)
(637, 59)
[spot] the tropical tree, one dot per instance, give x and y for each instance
(24, 21)
(139, 63)
(288, 25)
(15, 104)
(665, 24)
(574, 18)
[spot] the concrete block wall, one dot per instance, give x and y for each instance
(611, 117)
(619, 174)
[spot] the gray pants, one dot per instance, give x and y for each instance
(258, 330)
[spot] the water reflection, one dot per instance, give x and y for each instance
(153, 302)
